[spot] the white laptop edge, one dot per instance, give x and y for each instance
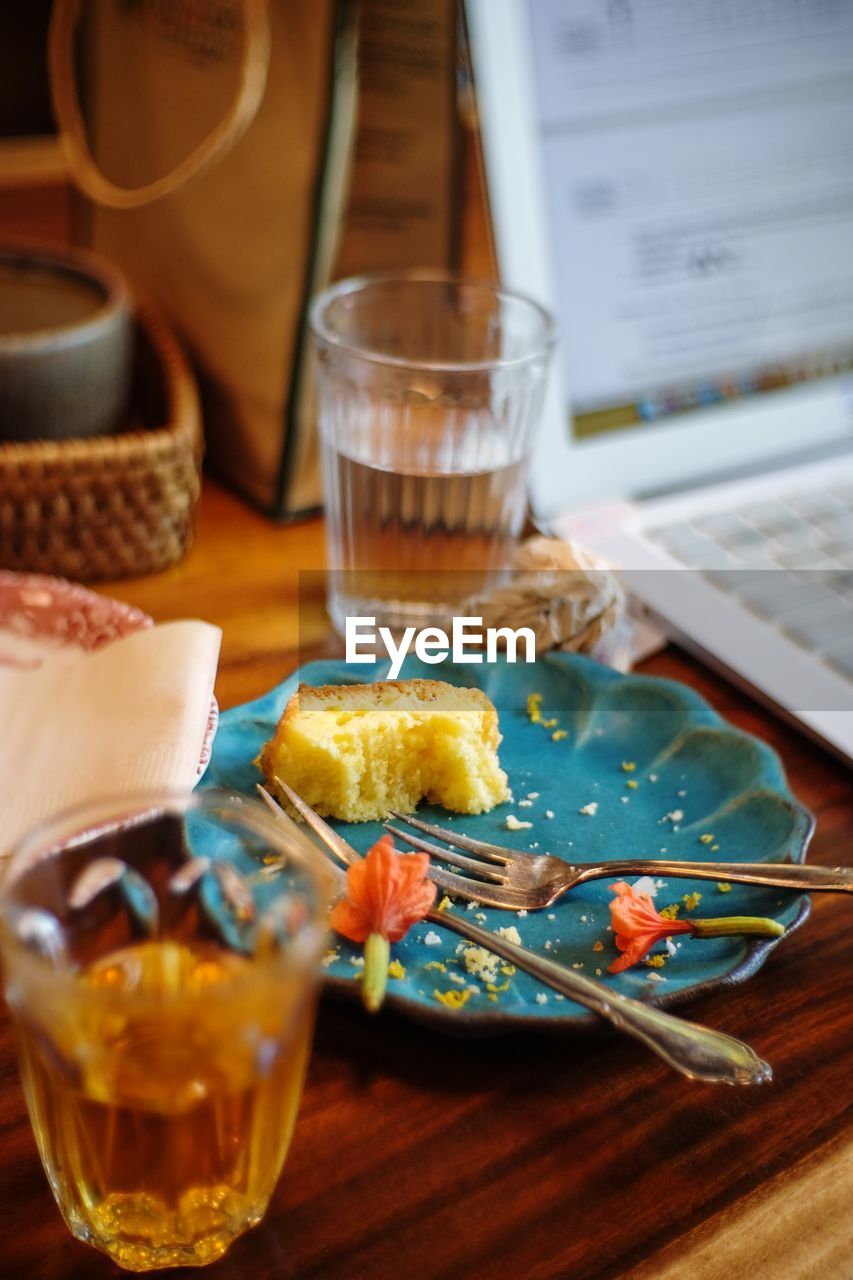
(564, 473)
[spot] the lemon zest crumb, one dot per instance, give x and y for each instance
(396, 970)
(452, 999)
(691, 900)
(723, 886)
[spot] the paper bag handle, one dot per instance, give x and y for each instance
(254, 61)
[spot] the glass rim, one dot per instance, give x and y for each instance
(321, 331)
(74, 825)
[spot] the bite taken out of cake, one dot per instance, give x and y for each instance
(356, 751)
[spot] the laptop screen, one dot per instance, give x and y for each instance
(697, 158)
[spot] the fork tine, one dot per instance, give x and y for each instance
(491, 852)
(483, 869)
(333, 842)
(487, 895)
(336, 873)
(493, 897)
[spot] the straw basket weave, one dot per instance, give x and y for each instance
(111, 506)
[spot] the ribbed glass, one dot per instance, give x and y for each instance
(429, 389)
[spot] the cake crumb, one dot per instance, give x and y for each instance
(525, 804)
(723, 886)
(541, 997)
(691, 900)
(432, 939)
(396, 970)
(533, 795)
(522, 913)
(510, 933)
(706, 838)
(513, 824)
(549, 813)
(589, 810)
(558, 735)
(598, 945)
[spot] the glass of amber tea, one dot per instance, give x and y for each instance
(160, 962)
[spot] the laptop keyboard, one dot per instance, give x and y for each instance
(787, 559)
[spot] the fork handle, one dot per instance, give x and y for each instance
(783, 875)
(694, 1050)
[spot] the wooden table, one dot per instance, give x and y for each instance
(525, 1158)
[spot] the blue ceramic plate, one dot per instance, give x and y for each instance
(695, 775)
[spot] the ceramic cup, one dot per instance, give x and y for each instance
(66, 344)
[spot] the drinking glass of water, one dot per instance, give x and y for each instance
(429, 389)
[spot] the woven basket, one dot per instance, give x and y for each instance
(111, 506)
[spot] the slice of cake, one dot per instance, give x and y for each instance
(356, 751)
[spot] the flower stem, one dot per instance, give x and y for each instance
(377, 952)
(726, 926)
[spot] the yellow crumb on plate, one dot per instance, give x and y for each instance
(452, 999)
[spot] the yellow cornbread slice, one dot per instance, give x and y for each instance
(356, 751)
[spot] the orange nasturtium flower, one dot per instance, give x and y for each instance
(387, 892)
(637, 926)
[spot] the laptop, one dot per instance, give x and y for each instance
(675, 180)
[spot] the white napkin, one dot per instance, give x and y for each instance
(131, 716)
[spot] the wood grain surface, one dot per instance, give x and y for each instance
(521, 1158)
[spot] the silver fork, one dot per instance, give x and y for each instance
(501, 877)
(694, 1050)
